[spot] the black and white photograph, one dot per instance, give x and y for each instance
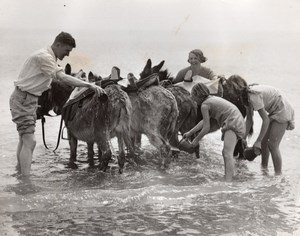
(150, 117)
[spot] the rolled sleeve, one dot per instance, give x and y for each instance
(49, 66)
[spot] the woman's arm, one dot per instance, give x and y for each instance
(264, 127)
(193, 130)
(211, 75)
(180, 76)
(206, 125)
(207, 73)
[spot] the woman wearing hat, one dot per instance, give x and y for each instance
(218, 113)
(196, 58)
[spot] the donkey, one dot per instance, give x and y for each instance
(154, 114)
(187, 117)
(229, 90)
(119, 113)
(87, 119)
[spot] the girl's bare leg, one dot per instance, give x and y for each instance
(276, 133)
(230, 140)
(265, 152)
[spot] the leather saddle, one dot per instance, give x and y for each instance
(71, 107)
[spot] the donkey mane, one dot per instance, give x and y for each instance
(165, 75)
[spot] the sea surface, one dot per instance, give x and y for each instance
(190, 197)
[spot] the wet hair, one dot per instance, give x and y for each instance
(240, 87)
(237, 82)
(200, 92)
(65, 38)
(199, 55)
(244, 96)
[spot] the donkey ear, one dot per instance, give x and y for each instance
(147, 68)
(158, 67)
(68, 69)
(90, 76)
(148, 65)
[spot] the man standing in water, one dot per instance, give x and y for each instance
(35, 77)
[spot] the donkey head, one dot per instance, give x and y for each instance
(55, 97)
(44, 104)
(148, 69)
(94, 78)
(165, 77)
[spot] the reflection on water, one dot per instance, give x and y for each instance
(190, 198)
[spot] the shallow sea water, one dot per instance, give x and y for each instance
(189, 198)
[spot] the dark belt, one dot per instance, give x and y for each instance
(26, 92)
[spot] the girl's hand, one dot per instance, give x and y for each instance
(257, 144)
(257, 147)
(186, 135)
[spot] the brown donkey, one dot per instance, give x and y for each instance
(154, 113)
(88, 119)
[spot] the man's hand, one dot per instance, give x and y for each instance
(98, 90)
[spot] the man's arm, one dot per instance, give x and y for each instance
(72, 81)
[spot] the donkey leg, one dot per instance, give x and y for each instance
(163, 147)
(91, 154)
(138, 141)
(104, 155)
(73, 151)
(133, 157)
(166, 155)
(121, 157)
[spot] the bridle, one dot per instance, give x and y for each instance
(43, 121)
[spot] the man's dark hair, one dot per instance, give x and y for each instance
(65, 38)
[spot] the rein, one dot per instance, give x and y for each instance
(43, 120)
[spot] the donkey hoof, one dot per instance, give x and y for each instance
(120, 170)
(91, 165)
(72, 165)
(163, 166)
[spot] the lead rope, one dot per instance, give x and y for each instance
(43, 120)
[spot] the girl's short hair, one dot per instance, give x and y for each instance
(200, 91)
